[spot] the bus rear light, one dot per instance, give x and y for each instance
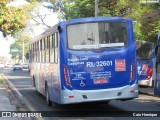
(132, 91)
(66, 77)
(131, 75)
(132, 71)
(71, 96)
(149, 73)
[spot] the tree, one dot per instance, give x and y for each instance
(150, 21)
(12, 18)
(36, 15)
(21, 38)
(18, 54)
(86, 8)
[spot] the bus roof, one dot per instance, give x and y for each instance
(93, 19)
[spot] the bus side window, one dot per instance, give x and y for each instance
(51, 49)
(56, 47)
(34, 52)
(47, 49)
(43, 51)
(40, 53)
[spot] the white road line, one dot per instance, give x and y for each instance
(23, 85)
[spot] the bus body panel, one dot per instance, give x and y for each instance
(96, 69)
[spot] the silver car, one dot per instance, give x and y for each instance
(17, 66)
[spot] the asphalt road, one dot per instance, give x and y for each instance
(36, 102)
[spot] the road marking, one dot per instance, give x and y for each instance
(23, 85)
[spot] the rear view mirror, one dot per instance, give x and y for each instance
(59, 29)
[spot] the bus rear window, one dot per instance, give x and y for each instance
(99, 35)
(144, 50)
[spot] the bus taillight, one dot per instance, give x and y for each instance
(131, 75)
(149, 73)
(132, 71)
(66, 76)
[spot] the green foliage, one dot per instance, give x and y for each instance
(78, 9)
(1, 81)
(137, 32)
(150, 22)
(12, 19)
(20, 39)
(86, 8)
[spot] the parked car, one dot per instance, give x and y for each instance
(8, 65)
(17, 66)
(1, 65)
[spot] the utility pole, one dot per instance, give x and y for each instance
(96, 8)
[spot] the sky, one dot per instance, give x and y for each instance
(5, 45)
(51, 19)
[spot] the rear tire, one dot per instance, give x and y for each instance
(49, 103)
(33, 82)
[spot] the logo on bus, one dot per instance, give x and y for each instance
(145, 67)
(120, 65)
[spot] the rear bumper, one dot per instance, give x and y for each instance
(78, 96)
(145, 82)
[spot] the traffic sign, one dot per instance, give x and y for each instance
(13, 50)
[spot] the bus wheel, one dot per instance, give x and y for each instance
(49, 103)
(33, 82)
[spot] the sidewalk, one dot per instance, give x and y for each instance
(5, 104)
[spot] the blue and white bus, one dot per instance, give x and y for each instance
(157, 80)
(85, 60)
(145, 63)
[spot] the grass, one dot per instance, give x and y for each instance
(1, 81)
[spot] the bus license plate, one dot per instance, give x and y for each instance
(101, 81)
